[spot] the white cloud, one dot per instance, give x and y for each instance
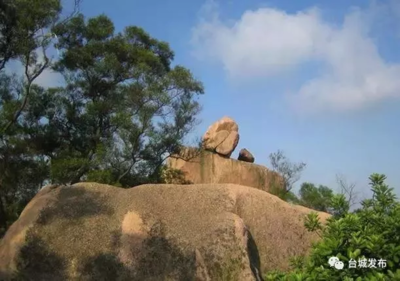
(269, 42)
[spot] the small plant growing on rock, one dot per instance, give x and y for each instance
(173, 176)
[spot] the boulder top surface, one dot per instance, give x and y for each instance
(74, 231)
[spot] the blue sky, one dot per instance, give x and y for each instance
(318, 79)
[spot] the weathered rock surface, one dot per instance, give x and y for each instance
(222, 137)
(202, 166)
(91, 231)
(246, 156)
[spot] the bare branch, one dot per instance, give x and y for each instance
(74, 12)
(347, 189)
(30, 77)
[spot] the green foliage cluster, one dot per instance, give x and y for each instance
(121, 110)
(173, 176)
(371, 232)
(317, 198)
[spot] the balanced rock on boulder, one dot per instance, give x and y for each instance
(246, 156)
(222, 137)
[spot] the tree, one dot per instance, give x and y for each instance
(122, 110)
(371, 232)
(290, 172)
(21, 170)
(20, 23)
(317, 198)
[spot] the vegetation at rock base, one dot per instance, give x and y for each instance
(368, 233)
(121, 110)
(371, 232)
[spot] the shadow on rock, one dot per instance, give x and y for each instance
(37, 262)
(90, 204)
(162, 259)
(254, 257)
(105, 267)
(159, 259)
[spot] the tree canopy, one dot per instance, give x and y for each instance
(317, 198)
(122, 109)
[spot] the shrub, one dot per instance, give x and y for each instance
(173, 176)
(371, 232)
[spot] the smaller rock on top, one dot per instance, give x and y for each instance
(246, 156)
(222, 137)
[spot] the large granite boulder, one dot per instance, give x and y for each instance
(222, 137)
(92, 231)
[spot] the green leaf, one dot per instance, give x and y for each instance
(366, 233)
(356, 253)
